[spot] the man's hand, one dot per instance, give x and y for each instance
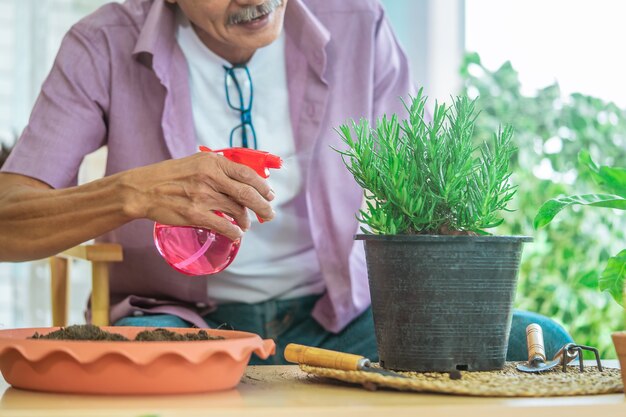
(37, 221)
(187, 192)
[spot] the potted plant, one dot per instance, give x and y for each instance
(612, 180)
(442, 288)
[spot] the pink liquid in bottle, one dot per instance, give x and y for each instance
(194, 250)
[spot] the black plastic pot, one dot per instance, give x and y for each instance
(442, 303)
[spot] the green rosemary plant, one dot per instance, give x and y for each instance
(428, 177)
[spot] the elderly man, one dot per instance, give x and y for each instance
(152, 80)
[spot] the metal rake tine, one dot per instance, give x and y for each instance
(579, 352)
(580, 359)
(565, 353)
(596, 354)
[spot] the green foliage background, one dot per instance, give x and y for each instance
(560, 269)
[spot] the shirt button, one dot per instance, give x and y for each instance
(137, 313)
(201, 305)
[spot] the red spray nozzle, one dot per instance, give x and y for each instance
(259, 161)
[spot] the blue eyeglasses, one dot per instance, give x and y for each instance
(242, 103)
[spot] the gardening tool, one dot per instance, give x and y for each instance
(537, 354)
(325, 358)
(536, 351)
(572, 350)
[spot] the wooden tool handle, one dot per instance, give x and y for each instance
(324, 358)
(534, 339)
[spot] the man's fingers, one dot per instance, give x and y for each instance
(238, 212)
(246, 175)
(249, 197)
(246, 187)
(223, 226)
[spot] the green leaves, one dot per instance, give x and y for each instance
(429, 177)
(552, 207)
(609, 178)
(612, 179)
(614, 276)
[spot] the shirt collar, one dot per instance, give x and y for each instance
(158, 36)
(309, 35)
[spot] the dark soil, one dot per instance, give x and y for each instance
(163, 335)
(94, 333)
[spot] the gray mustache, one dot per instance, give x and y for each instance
(249, 13)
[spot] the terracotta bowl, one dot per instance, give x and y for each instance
(102, 367)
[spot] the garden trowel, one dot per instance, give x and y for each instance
(537, 354)
(325, 358)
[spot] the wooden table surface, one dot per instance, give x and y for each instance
(278, 391)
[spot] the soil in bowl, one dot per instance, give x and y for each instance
(94, 333)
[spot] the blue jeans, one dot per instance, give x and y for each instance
(290, 321)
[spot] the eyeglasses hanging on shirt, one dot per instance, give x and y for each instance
(239, 94)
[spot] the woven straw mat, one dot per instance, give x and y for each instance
(508, 382)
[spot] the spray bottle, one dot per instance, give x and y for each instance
(198, 251)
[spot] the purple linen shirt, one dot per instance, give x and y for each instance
(121, 80)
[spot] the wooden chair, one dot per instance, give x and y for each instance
(100, 255)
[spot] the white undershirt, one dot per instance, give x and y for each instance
(276, 259)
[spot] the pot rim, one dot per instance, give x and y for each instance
(443, 238)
